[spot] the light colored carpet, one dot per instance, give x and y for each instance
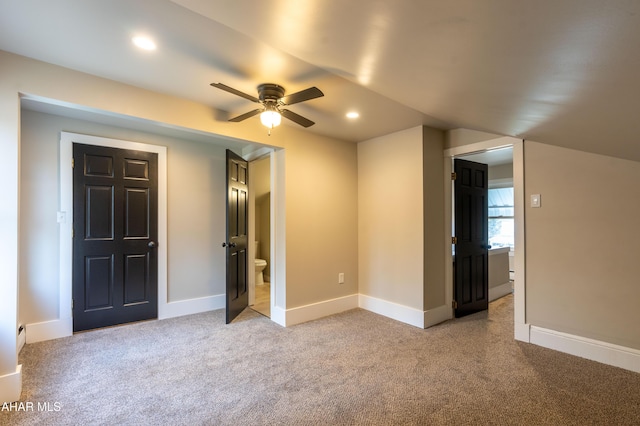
(353, 368)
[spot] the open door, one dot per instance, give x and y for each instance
(471, 257)
(236, 243)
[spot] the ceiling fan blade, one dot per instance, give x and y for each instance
(235, 92)
(304, 95)
(304, 122)
(246, 115)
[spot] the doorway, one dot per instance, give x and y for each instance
(511, 151)
(260, 224)
(64, 325)
(115, 228)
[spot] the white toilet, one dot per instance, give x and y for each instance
(260, 265)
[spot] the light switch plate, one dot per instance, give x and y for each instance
(535, 200)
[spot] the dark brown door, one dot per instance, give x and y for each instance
(115, 221)
(236, 243)
(471, 270)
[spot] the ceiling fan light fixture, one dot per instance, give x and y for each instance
(270, 117)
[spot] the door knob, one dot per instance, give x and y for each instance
(228, 245)
(151, 244)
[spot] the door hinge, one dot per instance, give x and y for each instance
(454, 176)
(454, 240)
(454, 304)
(73, 163)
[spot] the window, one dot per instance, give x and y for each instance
(501, 212)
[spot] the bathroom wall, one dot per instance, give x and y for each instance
(261, 179)
(502, 172)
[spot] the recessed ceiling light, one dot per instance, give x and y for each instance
(353, 114)
(144, 43)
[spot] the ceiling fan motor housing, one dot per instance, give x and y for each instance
(270, 92)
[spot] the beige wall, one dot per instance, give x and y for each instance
(391, 218)
(196, 213)
(9, 220)
(434, 220)
(502, 172)
(39, 235)
(401, 226)
(322, 221)
(582, 244)
(460, 137)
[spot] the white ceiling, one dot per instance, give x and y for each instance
(561, 72)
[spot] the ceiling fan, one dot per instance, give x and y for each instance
(271, 98)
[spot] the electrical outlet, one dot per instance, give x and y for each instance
(341, 278)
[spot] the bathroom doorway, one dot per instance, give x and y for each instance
(260, 224)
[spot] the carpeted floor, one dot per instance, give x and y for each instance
(353, 368)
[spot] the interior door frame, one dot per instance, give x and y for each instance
(260, 155)
(521, 328)
(65, 218)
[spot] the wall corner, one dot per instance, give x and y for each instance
(11, 386)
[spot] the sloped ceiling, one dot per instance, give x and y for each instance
(559, 72)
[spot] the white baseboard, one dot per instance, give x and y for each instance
(191, 306)
(595, 350)
(47, 330)
(437, 315)
(55, 329)
(499, 291)
(392, 310)
(11, 386)
(522, 332)
(321, 309)
(402, 313)
(22, 339)
(279, 315)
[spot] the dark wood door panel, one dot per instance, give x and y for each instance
(99, 200)
(98, 282)
(115, 202)
(471, 287)
(237, 295)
